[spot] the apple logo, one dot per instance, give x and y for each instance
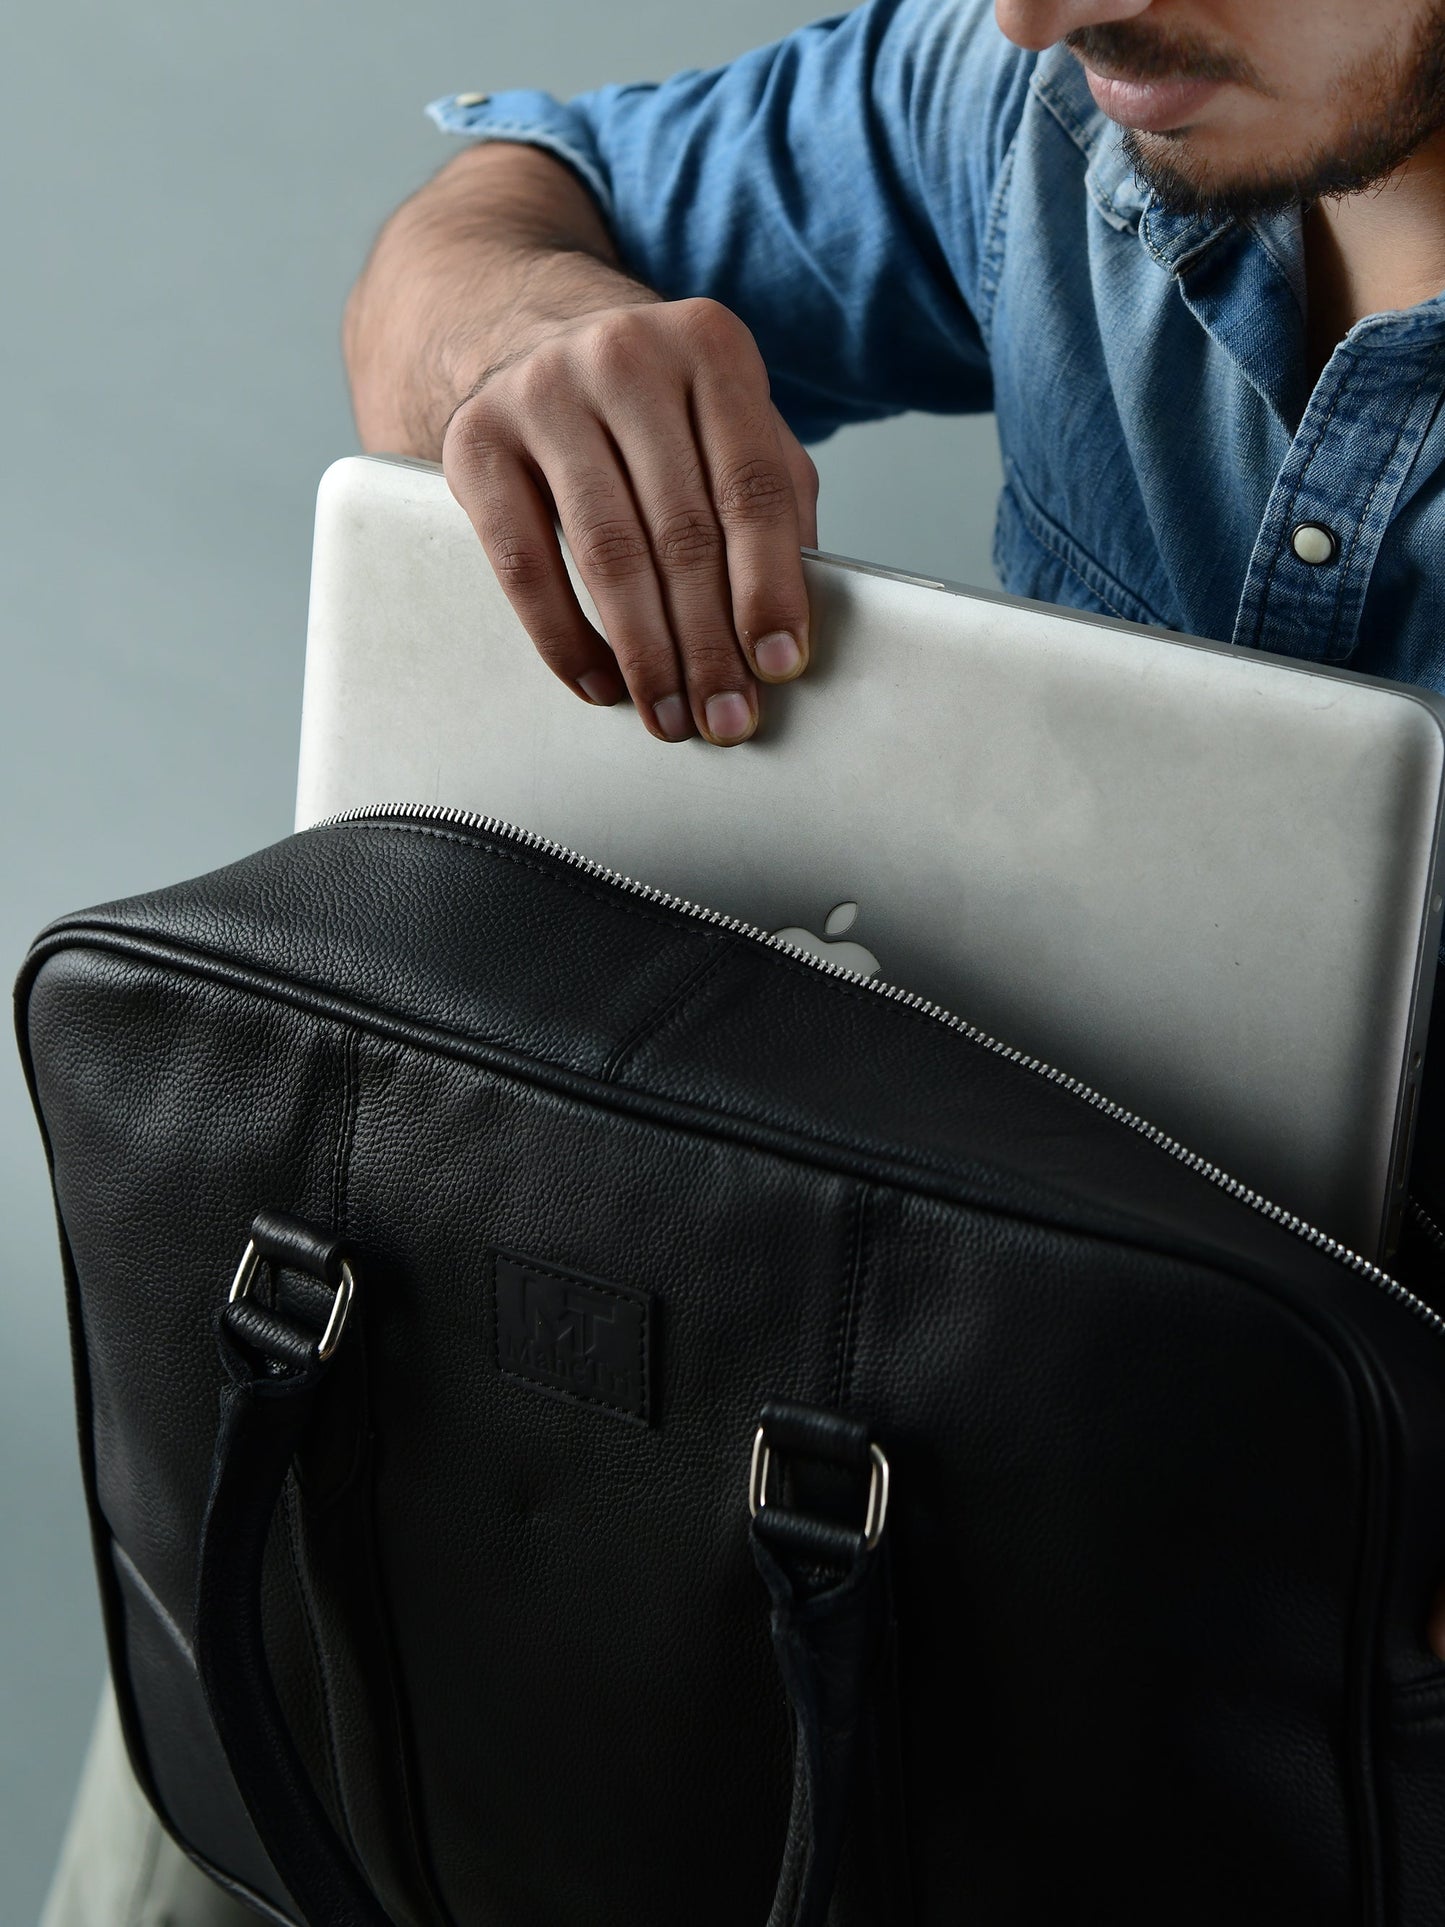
(848, 956)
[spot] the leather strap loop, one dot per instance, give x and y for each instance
(820, 1434)
(825, 1587)
(302, 1246)
(268, 1334)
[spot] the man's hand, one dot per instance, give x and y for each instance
(494, 326)
(683, 496)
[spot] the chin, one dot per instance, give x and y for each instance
(1179, 169)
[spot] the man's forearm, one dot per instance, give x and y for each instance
(494, 330)
(471, 270)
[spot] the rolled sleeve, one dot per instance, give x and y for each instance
(535, 120)
(832, 189)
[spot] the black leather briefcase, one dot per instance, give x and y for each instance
(584, 1408)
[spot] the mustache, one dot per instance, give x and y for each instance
(1123, 49)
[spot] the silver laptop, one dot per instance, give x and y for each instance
(1202, 880)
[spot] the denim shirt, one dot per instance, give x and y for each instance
(911, 213)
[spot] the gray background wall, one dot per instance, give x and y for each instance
(190, 189)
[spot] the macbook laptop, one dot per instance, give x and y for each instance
(1204, 881)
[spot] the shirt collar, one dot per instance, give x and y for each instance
(1175, 241)
(1112, 185)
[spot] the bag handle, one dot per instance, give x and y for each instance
(824, 1579)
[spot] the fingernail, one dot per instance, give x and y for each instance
(729, 717)
(599, 687)
(778, 654)
(674, 718)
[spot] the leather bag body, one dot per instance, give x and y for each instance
(1166, 1501)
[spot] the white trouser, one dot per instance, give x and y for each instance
(117, 1867)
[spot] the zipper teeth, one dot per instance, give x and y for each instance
(1277, 1214)
(1427, 1224)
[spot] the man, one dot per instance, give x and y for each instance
(903, 208)
(1190, 251)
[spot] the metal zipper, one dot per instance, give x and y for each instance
(1427, 1224)
(1277, 1214)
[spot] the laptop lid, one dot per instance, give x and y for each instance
(1202, 880)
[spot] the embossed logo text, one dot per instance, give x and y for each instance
(575, 1335)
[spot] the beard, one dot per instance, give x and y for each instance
(1395, 102)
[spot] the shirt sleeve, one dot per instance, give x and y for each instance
(835, 190)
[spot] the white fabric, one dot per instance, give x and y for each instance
(117, 1867)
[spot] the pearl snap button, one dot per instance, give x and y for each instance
(1313, 543)
(472, 100)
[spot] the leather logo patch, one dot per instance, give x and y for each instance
(572, 1335)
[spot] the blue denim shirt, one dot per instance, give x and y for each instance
(911, 213)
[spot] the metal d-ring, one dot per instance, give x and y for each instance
(877, 1514)
(251, 1261)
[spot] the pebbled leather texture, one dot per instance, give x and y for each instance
(1168, 1485)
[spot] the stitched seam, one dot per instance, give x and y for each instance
(1274, 257)
(638, 1298)
(1363, 516)
(1046, 540)
(1105, 204)
(1288, 515)
(559, 873)
(353, 1108)
(545, 1270)
(412, 1033)
(340, 1179)
(421, 1862)
(796, 1143)
(1085, 141)
(1051, 541)
(1188, 257)
(916, 1159)
(313, 1652)
(847, 1327)
(991, 266)
(655, 1020)
(340, 1152)
(290, 1510)
(422, 1868)
(1193, 256)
